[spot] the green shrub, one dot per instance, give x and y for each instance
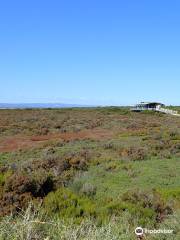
(4, 176)
(67, 204)
(137, 211)
(148, 200)
(170, 193)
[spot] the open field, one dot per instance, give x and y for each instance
(94, 173)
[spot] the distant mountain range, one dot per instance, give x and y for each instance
(38, 105)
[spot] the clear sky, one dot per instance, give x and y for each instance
(111, 52)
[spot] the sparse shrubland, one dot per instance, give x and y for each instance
(89, 173)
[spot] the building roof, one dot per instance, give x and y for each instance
(150, 103)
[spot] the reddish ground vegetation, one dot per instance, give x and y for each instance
(14, 143)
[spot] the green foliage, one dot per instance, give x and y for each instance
(68, 205)
(144, 215)
(147, 207)
(148, 204)
(170, 193)
(4, 176)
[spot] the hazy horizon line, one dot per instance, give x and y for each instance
(71, 104)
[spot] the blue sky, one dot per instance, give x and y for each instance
(116, 52)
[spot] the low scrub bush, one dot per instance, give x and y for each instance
(134, 153)
(170, 194)
(68, 205)
(34, 225)
(148, 201)
(147, 207)
(19, 189)
(144, 215)
(4, 176)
